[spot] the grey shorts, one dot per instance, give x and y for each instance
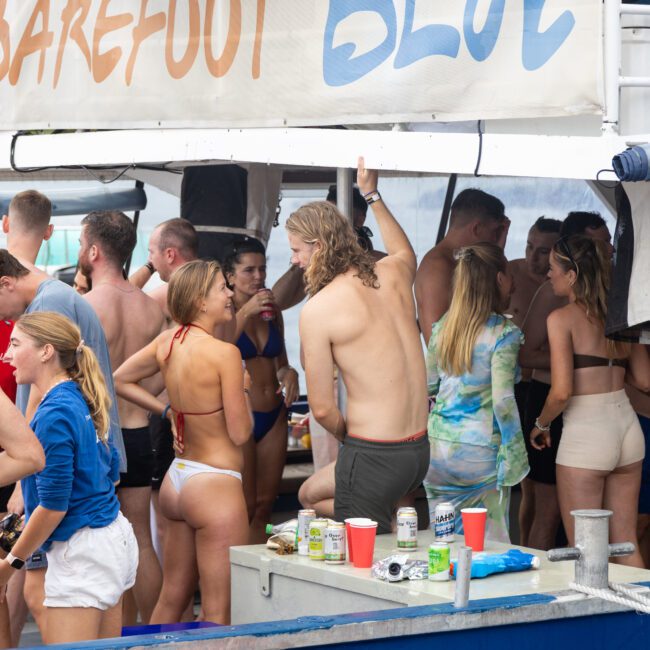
(371, 477)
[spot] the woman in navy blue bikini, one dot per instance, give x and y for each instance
(274, 382)
(202, 493)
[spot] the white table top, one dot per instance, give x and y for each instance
(550, 577)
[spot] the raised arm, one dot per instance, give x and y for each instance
(140, 277)
(319, 371)
(395, 240)
(289, 290)
(23, 454)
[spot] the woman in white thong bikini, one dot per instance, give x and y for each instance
(202, 492)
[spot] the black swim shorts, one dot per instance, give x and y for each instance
(542, 463)
(162, 442)
(371, 477)
(139, 458)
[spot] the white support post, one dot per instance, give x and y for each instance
(635, 10)
(612, 45)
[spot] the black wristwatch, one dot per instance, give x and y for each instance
(151, 268)
(14, 561)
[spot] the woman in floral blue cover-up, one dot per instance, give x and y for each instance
(477, 447)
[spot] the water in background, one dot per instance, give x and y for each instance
(415, 201)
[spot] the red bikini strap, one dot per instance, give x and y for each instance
(180, 335)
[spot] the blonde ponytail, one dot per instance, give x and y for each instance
(76, 358)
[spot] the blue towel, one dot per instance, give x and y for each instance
(632, 165)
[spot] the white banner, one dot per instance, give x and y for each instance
(225, 63)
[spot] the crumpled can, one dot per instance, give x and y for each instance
(401, 566)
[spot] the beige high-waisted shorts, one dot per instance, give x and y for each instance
(600, 432)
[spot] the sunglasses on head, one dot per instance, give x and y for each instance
(566, 251)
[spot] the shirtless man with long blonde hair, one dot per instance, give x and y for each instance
(361, 317)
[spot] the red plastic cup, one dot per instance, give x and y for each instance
(363, 535)
(348, 534)
(474, 527)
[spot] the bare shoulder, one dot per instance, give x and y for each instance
(562, 318)
(220, 351)
(100, 301)
(517, 266)
(435, 261)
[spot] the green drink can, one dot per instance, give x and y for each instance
(317, 539)
(439, 561)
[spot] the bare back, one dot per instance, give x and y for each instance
(433, 286)
(588, 337)
(131, 320)
(376, 344)
(193, 378)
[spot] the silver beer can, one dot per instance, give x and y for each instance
(335, 543)
(407, 529)
(305, 517)
(445, 522)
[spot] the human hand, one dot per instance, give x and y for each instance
(178, 444)
(366, 178)
(540, 439)
(288, 379)
(16, 503)
(263, 300)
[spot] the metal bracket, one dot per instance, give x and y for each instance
(265, 576)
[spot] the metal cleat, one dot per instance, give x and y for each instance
(592, 550)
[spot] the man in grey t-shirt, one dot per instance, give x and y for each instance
(22, 292)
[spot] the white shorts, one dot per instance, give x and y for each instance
(93, 568)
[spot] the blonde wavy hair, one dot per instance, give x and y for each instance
(78, 360)
(476, 295)
(339, 250)
(590, 260)
(188, 286)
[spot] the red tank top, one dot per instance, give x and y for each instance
(7, 379)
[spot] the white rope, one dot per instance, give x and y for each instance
(631, 593)
(633, 602)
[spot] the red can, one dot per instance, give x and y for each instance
(269, 312)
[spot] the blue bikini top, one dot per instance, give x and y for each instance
(273, 348)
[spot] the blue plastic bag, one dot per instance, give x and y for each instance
(514, 560)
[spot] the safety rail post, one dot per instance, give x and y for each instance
(614, 80)
(612, 60)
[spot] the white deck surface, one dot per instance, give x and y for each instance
(299, 586)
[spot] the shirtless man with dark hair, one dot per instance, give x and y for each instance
(476, 216)
(530, 273)
(131, 320)
(361, 316)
